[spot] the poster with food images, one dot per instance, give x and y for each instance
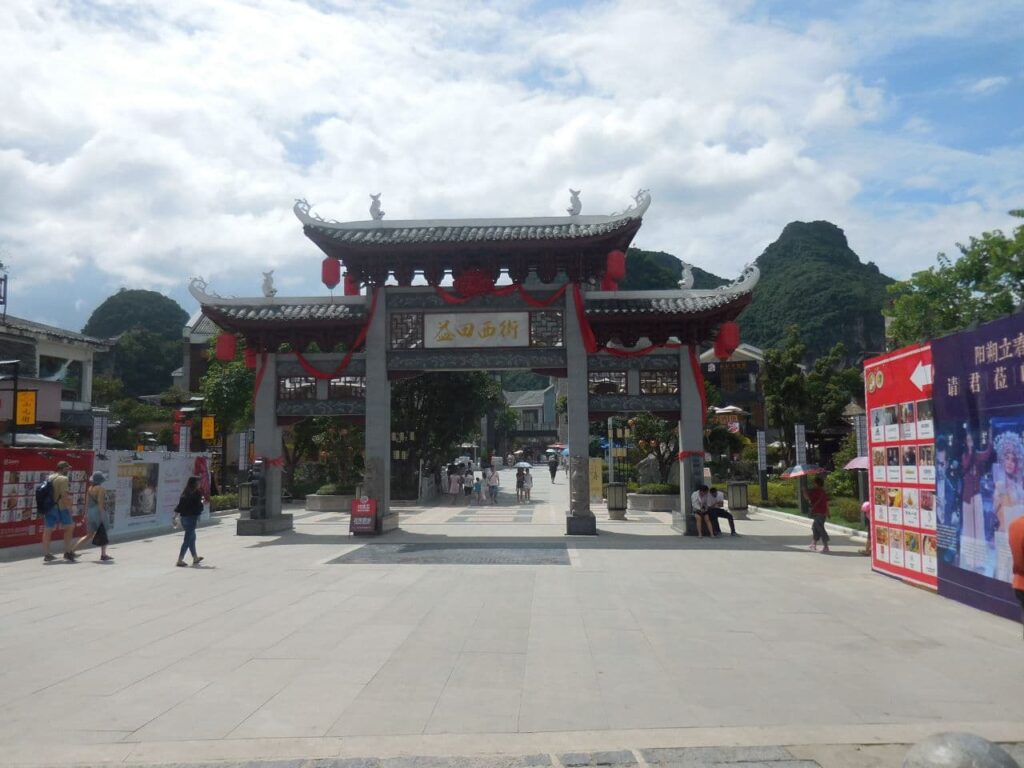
(22, 470)
(898, 392)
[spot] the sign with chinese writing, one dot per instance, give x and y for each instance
(979, 423)
(363, 517)
(762, 451)
(209, 428)
(25, 408)
(184, 438)
(800, 436)
(243, 450)
(100, 421)
(901, 449)
(860, 427)
(476, 329)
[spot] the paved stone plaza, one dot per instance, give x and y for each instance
(483, 630)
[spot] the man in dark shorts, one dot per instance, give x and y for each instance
(1016, 534)
(716, 508)
(553, 466)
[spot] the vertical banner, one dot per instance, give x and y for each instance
(860, 428)
(762, 451)
(800, 436)
(100, 420)
(184, 438)
(25, 408)
(209, 428)
(979, 422)
(243, 450)
(901, 448)
(596, 479)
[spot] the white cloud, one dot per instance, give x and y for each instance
(988, 85)
(143, 142)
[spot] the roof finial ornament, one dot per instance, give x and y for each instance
(575, 206)
(687, 282)
(268, 285)
(375, 212)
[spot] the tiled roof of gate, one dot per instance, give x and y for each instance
(469, 233)
(683, 305)
(288, 313)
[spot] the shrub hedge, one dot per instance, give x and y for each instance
(223, 501)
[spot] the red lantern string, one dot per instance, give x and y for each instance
(316, 373)
(505, 290)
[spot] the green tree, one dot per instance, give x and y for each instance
(144, 361)
(983, 283)
(786, 398)
(130, 309)
(655, 436)
(831, 386)
(843, 482)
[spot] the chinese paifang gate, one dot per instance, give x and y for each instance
(561, 315)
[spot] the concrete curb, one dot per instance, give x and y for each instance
(853, 533)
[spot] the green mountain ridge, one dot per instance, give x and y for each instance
(809, 277)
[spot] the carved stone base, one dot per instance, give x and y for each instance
(389, 522)
(270, 525)
(316, 502)
(580, 525)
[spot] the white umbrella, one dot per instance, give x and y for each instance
(523, 465)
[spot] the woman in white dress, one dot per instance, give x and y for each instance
(1007, 497)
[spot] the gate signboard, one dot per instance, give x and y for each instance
(901, 442)
(476, 329)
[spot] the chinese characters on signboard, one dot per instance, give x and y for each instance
(470, 329)
(901, 449)
(979, 416)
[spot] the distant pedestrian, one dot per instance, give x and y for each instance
(1016, 538)
(189, 508)
(492, 485)
(865, 513)
(454, 484)
(717, 509)
(477, 486)
(58, 512)
(818, 499)
(553, 466)
(527, 484)
(467, 486)
(96, 515)
(519, 484)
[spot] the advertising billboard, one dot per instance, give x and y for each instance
(979, 419)
(21, 471)
(901, 447)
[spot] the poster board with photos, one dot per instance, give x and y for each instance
(901, 447)
(21, 471)
(143, 488)
(979, 418)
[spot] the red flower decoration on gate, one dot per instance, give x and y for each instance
(473, 282)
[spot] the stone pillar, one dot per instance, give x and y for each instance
(267, 445)
(691, 439)
(377, 480)
(580, 520)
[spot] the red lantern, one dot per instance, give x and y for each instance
(727, 340)
(330, 272)
(226, 347)
(607, 284)
(351, 285)
(250, 358)
(615, 268)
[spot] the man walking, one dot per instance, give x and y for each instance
(59, 512)
(553, 466)
(716, 508)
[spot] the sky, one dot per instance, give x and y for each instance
(146, 142)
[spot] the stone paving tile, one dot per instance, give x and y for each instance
(613, 759)
(715, 755)
(489, 761)
(476, 553)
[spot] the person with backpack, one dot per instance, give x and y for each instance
(189, 508)
(53, 501)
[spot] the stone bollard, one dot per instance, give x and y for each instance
(957, 750)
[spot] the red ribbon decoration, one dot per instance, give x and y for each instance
(698, 377)
(505, 290)
(589, 340)
(275, 462)
(316, 373)
(684, 455)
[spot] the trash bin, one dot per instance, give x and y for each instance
(737, 496)
(245, 496)
(615, 493)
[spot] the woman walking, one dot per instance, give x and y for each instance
(190, 507)
(96, 514)
(818, 499)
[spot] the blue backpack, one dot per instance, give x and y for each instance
(44, 497)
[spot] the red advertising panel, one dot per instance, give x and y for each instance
(901, 441)
(364, 516)
(21, 470)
